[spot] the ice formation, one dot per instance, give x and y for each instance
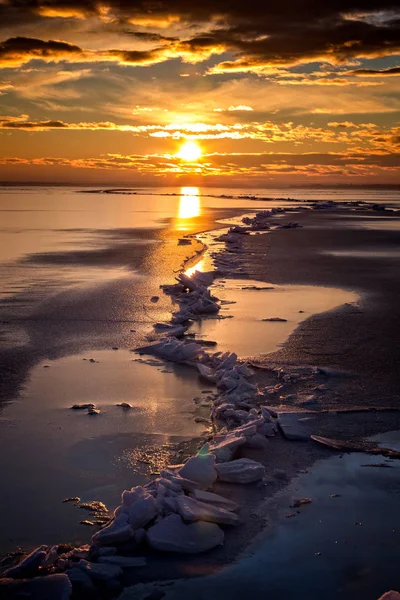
(178, 511)
(243, 470)
(172, 535)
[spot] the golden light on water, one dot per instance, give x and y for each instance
(190, 151)
(189, 206)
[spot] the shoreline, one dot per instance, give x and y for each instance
(278, 484)
(299, 456)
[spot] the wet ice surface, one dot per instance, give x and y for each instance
(378, 223)
(366, 253)
(336, 547)
(50, 452)
(245, 332)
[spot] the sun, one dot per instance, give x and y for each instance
(190, 151)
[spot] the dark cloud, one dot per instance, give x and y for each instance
(15, 51)
(149, 37)
(257, 34)
(35, 47)
(20, 50)
(377, 72)
(10, 124)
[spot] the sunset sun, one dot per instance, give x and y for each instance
(189, 151)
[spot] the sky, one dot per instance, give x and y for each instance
(295, 92)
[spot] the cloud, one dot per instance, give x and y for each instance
(22, 123)
(241, 107)
(276, 76)
(326, 82)
(258, 37)
(17, 51)
(234, 166)
(4, 85)
(361, 138)
(377, 72)
(344, 124)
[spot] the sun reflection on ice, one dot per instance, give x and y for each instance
(199, 266)
(189, 206)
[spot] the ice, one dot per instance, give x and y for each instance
(268, 410)
(81, 552)
(247, 430)
(293, 427)
(29, 564)
(171, 485)
(215, 499)
(256, 441)
(268, 429)
(191, 509)
(171, 330)
(226, 446)
(52, 587)
(80, 580)
(275, 320)
(142, 510)
(118, 531)
(172, 535)
(200, 468)
(170, 505)
(184, 482)
(51, 557)
(106, 551)
(139, 536)
(128, 497)
(124, 562)
(174, 350)
(243, 470)
(100, 572)
(207, 373)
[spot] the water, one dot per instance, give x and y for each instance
(77, 274)
(52, 238)
(42, 227)
(336, 547)
(246, 331)
(50, 452)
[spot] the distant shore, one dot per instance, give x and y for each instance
(141, 184)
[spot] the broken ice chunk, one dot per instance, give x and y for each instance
(200, 468)
(243, 470)
(191, 509)
(172, 535)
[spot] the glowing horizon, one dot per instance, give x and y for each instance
(94, 93)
